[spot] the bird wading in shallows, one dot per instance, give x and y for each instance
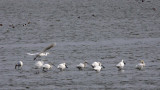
(120, 65)
(81, 66)
(140, 65)
(39, 64)
(62, 66)
(19, 64)
(97, 68)
(94, 64)
(46, 67)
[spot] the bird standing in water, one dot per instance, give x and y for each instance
(19, 64)
(62, 66)
(82, 65)
(140, 65)
(120, 65)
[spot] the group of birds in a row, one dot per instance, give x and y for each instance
(97, 66)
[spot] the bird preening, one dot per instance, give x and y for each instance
(140, 65)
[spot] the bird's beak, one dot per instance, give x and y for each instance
(124, 63)
(15, 66)
(66, 66)
(102, 66)
(92, 66)
(54, 65)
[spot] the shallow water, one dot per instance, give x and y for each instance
(106, 31)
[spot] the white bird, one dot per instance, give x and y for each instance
(40, 54)
(120, 65)
(19, 64)
(97, 68)
(39, 64)
(82, 65)
(94, 64)
(44, 50)
(44, 54)
(62, 66)
(32, 54)
(140, 65)
(46, 67)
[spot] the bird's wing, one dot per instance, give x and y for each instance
(32, 54)
(47, 48)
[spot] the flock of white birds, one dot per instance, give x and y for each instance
(97, 66)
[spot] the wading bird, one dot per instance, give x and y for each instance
(140, 65)
(94, 64)
(19, 64)
(82, 65)
(39, 64)
(62, 66)
(97, 68)
(120, 65)
(47, 67)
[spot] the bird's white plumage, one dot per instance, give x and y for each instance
(120, 65)
(41, 54)
(97, 68)
(62, 66)
(39, 64)
(140, 65)
(32, 54)
(44, 54)
(46, 67)
(19, 64)
(94, 64)
(82, 65)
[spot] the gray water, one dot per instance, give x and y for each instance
(92, 30)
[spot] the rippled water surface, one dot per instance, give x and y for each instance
(92, 30)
